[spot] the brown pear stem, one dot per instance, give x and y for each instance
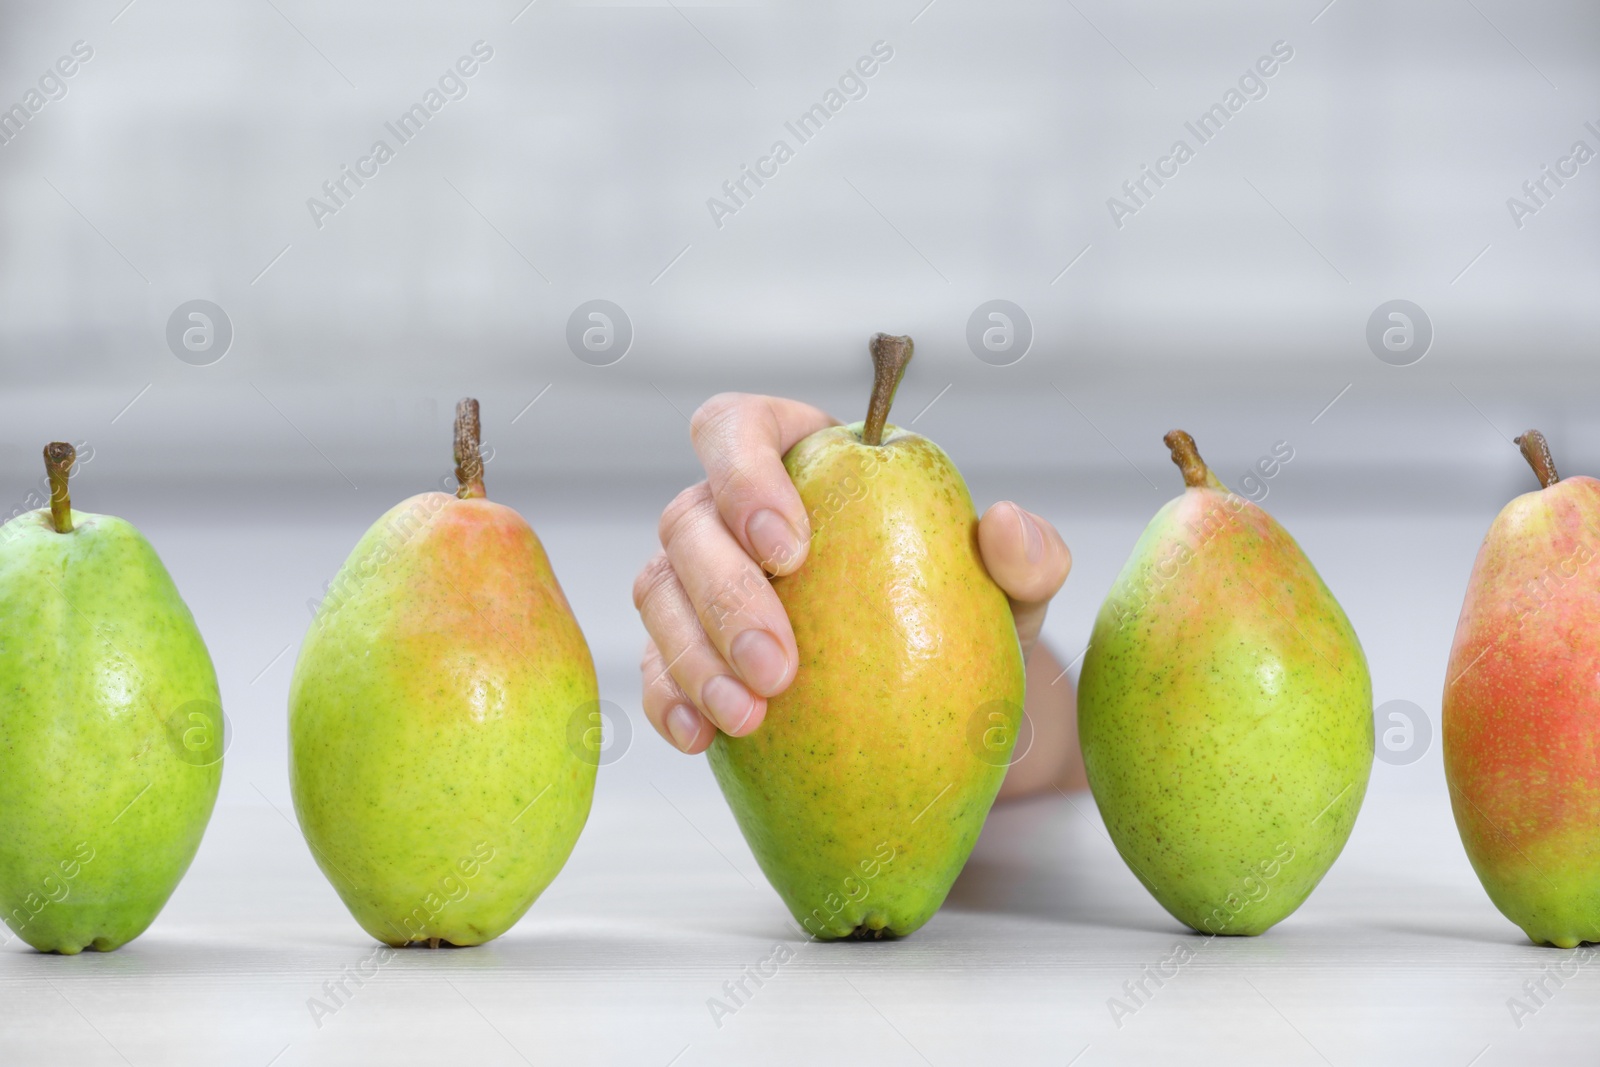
(889, 358)
(469, 460)
(1196, 475)
(58, 460)
(1536, 450)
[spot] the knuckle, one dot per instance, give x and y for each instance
(716, 412)
(660, 689)
(687, 511)
(652, 579)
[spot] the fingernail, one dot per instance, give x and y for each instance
(683, 723)
(1032, 536)
(760, 660)
(773, 539)
(728, 702)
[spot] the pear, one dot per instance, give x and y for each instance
(110, 727)
(442, 750)
(1225, 711)
(1521, 714)
(863, 790)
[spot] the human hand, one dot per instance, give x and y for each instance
(720, 641)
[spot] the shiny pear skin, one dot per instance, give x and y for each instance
(110, 732)
(863, 791)
(442, 724)
(1225, 714)
(1521, 721)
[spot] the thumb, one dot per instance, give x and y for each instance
(1028, 559)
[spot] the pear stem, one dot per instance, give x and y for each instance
(58, 460)
(889, 358)
(1196, 475)
(469, 460)
(1536, 450)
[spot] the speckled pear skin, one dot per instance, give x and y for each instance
(1225, 714)
(101, 805)
(440, 757)
(862, 792)
(1521, 721)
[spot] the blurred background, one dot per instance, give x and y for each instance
(983, 158)
(1359, 256)
(936, 158)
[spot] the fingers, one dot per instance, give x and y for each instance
(720, 640)
(741, 439)
(738, 611)
(693, 662)
(671, 712)
(1028, 559)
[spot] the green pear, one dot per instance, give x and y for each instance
(443, 719)
(863, 791)
(110, 727)
(1225, 712)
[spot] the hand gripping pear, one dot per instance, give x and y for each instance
(863, 791)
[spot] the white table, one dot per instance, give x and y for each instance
(1398, 957)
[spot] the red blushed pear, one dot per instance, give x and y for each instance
(442, 719)
(1522, 708)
